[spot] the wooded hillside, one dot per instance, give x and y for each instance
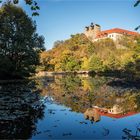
(79, 53)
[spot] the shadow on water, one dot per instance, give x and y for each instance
(20, 109)
(122, 79)
(123, 83)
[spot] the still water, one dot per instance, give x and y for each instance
(70, 107)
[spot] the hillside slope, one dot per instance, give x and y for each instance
(79, 53)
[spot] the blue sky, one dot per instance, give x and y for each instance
(60, 18)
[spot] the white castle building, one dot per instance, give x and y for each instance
(94, 33)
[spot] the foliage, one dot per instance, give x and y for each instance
(85, 63)
(134, 65)
(79, 93)
(45, 60)
(69, 62)
(32, 3)
(95, 63)
(137, 3)
(69, 83)
(67, 55)
(57, 44)
(90, 49)
(20, 45)
(79, 53)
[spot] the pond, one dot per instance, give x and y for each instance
(70, 107)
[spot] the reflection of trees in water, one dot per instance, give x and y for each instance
(81, 93)
(107, 96)
(20, 109)
(69, 84)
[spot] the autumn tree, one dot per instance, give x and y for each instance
(95, 64)
(69, 62)
(134, 65)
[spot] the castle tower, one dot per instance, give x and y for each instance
(92, 31)
(97, 29)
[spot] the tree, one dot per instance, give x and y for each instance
(95, 63)
(85, 63)
(20, 45)
(90, 49)
(69, 62)
(32, 3)
(134, 66)
(45, 61)
(57, 43)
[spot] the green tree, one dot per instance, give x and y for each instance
(20, 45)
(134, 66)
(90, 49)
(85, 63)
(95, 63)
(112, 63)
(69, 62)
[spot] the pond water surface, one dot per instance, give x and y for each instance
(70, 107)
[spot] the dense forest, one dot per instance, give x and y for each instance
(78, 53)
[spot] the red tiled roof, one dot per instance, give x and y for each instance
(117, 116)
(116, 30)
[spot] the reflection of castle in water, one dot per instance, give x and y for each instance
(92, 114)
(95, 113)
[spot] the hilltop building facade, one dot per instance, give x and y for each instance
(94, 33)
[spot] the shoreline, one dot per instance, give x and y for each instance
(113, 74)
(46, 73)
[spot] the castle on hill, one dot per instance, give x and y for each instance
(94, 33)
